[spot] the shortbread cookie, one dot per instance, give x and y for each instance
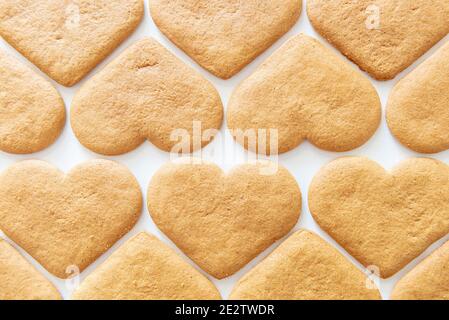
(225, 36)
(429, 280)
(304, 91)
(67, 220)
(144, 268)
(223, 221)
(382, 36)
(146, 93)
(32, 113)
(418, 107)
(19, 280)
(305, 267)
(68, 38)
(384, 219)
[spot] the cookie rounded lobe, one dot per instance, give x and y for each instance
(32, 112)
(305, 267)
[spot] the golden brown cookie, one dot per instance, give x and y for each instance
(67, 220)
(32, 113)
(384, 219)
(305, 267)
(146, 93)
(19, 280)
(428, 280)
(418, 107)
(144, 268)
(305, 91)
(223, 221)
(68, 38)
(225, 36)
(383, 37)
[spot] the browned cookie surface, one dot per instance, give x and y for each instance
(382, 36)
(144, 268)
(68, 38)
(67, 221)
(225, 36)
(384, 219)
(223, 220)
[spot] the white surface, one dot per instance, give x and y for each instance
(303, 162)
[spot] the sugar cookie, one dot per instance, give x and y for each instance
(384, 219)
(19, 280)
(225, 36)
(428, 280)
(304, 91)
(146, 93)
(305, 267)
(32, 113)
(144, 268)
(68, 38)
(223, 221)
(383, 36)
(67, 221)
(418, 107)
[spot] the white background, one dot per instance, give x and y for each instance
(303, 162)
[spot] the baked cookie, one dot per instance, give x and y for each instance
(68, 38)
(225, 36)
(32, 113)
(428, 280)
(146, 93)
(305, 267)
(144, 268)
(418, 107)
(383, 37)
(304, 91)
(384, 219)
(19, 280)
(67, 220)
(223, 221)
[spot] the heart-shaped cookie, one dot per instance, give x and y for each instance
(19, 280)
(428, 280)
(305, 267)
(67, 220)
(418, 107)
(144, 268)
(32, 113)
(382, 36)
(68, 38)
(146, 93)
(304, 91)
(382, 219)
(224, 36)
(223, 221)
